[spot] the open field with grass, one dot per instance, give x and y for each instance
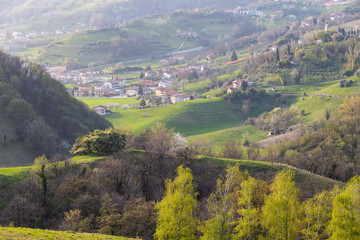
(236, 133)
(92, 102)
(330, 87)
(315, 106)
(189, 117)
(28, 233)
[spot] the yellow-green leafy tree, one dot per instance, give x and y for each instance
(251, 200)
(222, 205)
(317, 212)
(176, 211)
(345, 221)
(281, 210)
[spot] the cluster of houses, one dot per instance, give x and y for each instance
(333, 17)
(17, 41)
(60, 73)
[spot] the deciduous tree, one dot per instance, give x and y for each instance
(176, 211)
(281, 209)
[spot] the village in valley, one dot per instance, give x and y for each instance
(154, 87)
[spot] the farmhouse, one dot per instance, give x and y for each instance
(101, 110)
(150, 74)
(177, 98)
(237, 83)
(165, 84)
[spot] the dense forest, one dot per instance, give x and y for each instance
(42, 112)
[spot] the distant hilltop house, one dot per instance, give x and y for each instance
(250, 11)
(337, 16)
(101, 110)
(309, 22)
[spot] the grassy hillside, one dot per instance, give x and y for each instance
(155, 36)
(309, 183)
(238, 133)
(28, 233)
(189, 118)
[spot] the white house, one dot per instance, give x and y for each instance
(165, 84)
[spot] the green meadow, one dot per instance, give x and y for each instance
(189, 117)
(315, 106)
(236, 133)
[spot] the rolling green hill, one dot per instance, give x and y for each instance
(28, 233)
(148, 37)
(29, 15)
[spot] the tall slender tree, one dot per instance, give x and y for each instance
(345, 221)
(222, 206)
(176, 211)
(281, 209)
(234, 56)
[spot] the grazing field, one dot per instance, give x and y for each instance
(28, 233)
(189, 117)
(335, 89)
(308, 88)
(236, 133)
(315, 106)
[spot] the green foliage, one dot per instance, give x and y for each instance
(43, 113)
(251, 198)
(107, 141)
(41, 160)
(109, 219)
(19, 110)
(176, 211)
(345, 221)
(324, 36)
(317, 212)
(282, 208)
(222, 206)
